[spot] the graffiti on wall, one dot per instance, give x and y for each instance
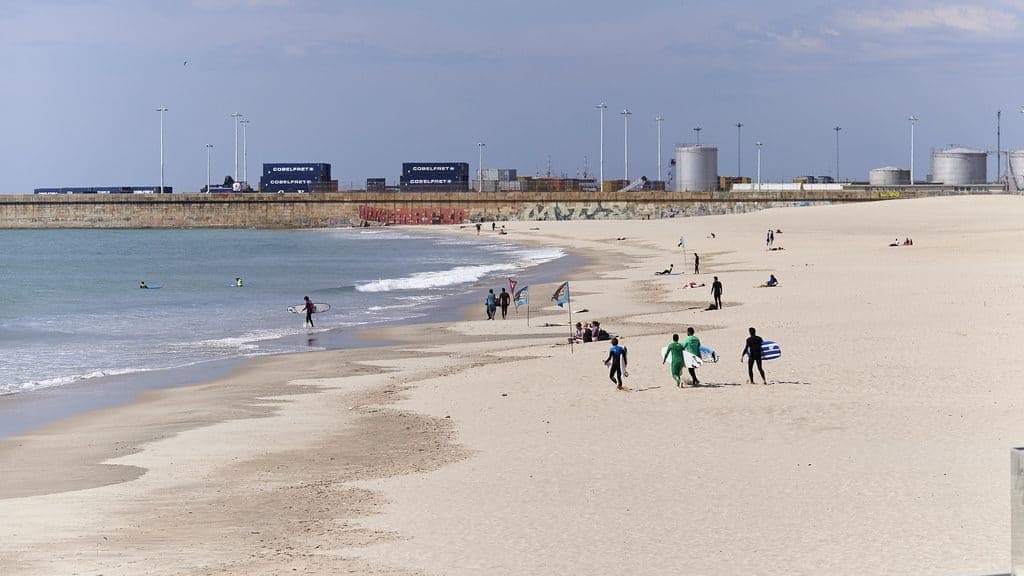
(414, 215)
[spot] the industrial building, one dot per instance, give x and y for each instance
(696, 168)
(959, 166)
(889, 176)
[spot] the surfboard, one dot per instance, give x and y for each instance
(152, 287)
(770, 350)
(706, 354)
(317, 308)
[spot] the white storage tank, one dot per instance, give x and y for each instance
(696, 168)
(889, 176)
(959, 166)
(1016, 159)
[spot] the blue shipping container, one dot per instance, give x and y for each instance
(317, 172)
(104, 190)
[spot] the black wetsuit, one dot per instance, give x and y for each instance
(716, 292)
(503, 301)
(696, 264)
(617, 357)
(753, 353)
(309, 313)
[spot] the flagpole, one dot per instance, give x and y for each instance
(568, 302)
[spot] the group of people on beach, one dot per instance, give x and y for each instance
(690, 354)
(592, 332)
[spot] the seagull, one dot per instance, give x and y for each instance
(185, 63)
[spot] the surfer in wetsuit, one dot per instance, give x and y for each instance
(753, 353)
(675, 349)
(492, 304)
(617, 361)
(238, 282)
(143, 285)
(692, 345)
(309, 308)
(504, 299)
(716, 293)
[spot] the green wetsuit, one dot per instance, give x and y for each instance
(675, 349)
(692, 345)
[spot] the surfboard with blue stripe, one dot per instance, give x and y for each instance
(770, 350)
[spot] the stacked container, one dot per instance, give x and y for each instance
(294, 177)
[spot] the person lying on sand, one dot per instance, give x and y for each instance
(776, 248)
(895, 242)
(693, 285)
(666, 271)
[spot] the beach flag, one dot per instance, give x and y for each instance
(522, 297)
(561, 295)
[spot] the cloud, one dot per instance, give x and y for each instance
(798, 40)
(972, 19)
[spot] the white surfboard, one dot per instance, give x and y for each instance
(317, 308)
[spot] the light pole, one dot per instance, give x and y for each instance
(161, 110)
(659, 119)
(209, 154)
(837, 129)
(758, 144)
(625, 116)
(739, 132)
(697, 130)
(245, 152)
(236, 116)
(999, 146)
(601, 107)
(480, 166)
(913, 122)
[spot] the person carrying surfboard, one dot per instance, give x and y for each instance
(691, 354)
(753, 353)
(675, 349)
(617, 361)
(309, 308)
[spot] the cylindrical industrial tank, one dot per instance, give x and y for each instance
(889, 176)
(696, 168)
(1016, 159)
(959, 166)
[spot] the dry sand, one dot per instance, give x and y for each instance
(879, 447)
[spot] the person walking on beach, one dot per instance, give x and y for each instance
(716, 293)
(617, 361)
(492, 304)
(675, 349)
(477, 228)
(504, 299)
(309, 308)
(752, 351)
(691, 347)
(696, 263)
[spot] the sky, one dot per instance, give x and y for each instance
(369, 84)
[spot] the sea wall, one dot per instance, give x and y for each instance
(353, 208)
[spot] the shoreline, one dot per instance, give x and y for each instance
(487, 447)
(53, 404)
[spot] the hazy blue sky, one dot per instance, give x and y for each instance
(367, 85)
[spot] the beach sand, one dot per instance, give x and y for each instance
(879, 447)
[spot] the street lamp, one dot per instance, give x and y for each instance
(739, 131)
(625, 115)
(480, 166)
(245, 152)
(601, 107)
(659, 119)
(837, 129)
(209, 154)
(161, 110)
(758, 144)
(913, 122)
(697, 130)
(236, 116)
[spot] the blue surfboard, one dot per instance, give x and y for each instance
(770, 350)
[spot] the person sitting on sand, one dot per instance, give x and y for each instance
(908, 242)
(666, 271)
(771, 283)
(577, 334)
(587, 335)
(599, 333)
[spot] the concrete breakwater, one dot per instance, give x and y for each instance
(352, 208)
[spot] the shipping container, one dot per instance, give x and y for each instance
(435, 175)
(104, 190)
(311, 171)
(376, 184)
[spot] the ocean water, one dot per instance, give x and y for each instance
(71, 308)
